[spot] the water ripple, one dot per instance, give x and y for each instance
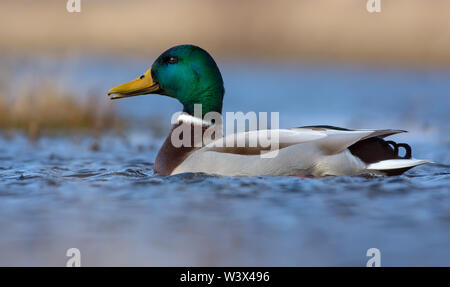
(111, 200)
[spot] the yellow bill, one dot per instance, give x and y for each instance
(140, 86)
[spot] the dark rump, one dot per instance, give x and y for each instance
(376, 149)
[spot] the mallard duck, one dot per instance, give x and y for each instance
(189, 74)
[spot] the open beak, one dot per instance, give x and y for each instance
(140, 86)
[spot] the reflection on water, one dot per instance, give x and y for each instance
(100, 195)
(109, 204)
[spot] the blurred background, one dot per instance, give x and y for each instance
(286, 56)
(76, 169)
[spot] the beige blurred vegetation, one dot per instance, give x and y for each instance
(50, 108)
(406, 31)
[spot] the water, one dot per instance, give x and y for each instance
(101, 196)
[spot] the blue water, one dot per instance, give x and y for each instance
(60, 193)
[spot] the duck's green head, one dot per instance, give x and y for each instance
(187, 73)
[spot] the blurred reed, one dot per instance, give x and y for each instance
(406, 31)
(49, 109)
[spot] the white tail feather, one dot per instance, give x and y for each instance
(396, 163)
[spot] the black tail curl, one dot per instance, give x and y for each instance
(403, 145)
(376, 149)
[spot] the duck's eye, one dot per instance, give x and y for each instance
(172, 60)
(141, 77)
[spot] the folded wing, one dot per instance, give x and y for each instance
(328, 140)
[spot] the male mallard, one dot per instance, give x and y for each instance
(189, 74)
